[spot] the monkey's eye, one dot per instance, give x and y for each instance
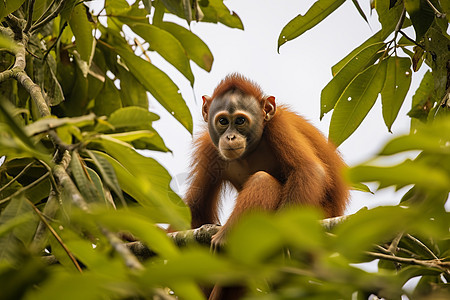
(223, 121)
(239, 120)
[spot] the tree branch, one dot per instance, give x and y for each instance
(434, 263)
(30, 16)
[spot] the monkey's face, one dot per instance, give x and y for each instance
(235, 123)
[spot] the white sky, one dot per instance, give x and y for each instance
(295, 77)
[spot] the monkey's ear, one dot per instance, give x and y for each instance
(205, 107)
(270, 107)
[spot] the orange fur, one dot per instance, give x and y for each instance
(293, 164)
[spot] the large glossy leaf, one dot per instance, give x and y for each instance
(142, 139)
(82, 29)
(131, 90)
(432, 138)
(19, 232)
(408, 172)
(83, 181)
(43, 125)
(159, 85)
(127, 118)
(107, 172)
(424, 99)
(334, 89)
(297, 26)
(167, 46)
(215, 11)
(356, 101)
(396, 86)
(145, 180)
(7, 7)
(421, 15)
(196, 49)
(140, 226)
(108, 100)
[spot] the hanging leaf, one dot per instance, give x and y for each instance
(356, 101)
(334, 89)
(128, 118)
(159, 85)
(297, 26)
(421, 15)
(167, 46)
(82, 29)
(396, 86)
(360, 11)
(196, 49)
(107, 172)
(424, 99)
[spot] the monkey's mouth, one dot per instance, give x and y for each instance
(233, 149)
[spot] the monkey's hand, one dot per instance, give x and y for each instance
(218, 240)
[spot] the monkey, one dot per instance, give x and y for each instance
(273, 157)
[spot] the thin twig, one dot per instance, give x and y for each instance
(17, 176)
(422, 245)
(411, 40)
(57, 237)
(34, 183)
(57, 40)
(50, 17)
(435, 263)
(436, 11)
(45, 12)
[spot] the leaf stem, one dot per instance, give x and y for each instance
(34, 183)
(17, 176)
(57, 237)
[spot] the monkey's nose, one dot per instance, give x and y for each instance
(231, 137)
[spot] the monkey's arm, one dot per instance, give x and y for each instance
(206, 180)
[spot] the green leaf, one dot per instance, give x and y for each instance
(360, 11)
(431, 138)
(140, 226)
(336, 87)
(146, 181)
(7, 43)
(84, 183)
(142, 139)
(196, 49)
(107, 172)
(421, 15)
(396, 86)
(167, 46)
(131, 90)
(45, 124)
(424, 99)
(82, 29)
(19, 233)
(215, 11)
(18, 144)
(159, 85)
(388, 17)
(108, 100)
(7, 7)
(127, 118)
(408, 172)
(356, 101)
(297, 26)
